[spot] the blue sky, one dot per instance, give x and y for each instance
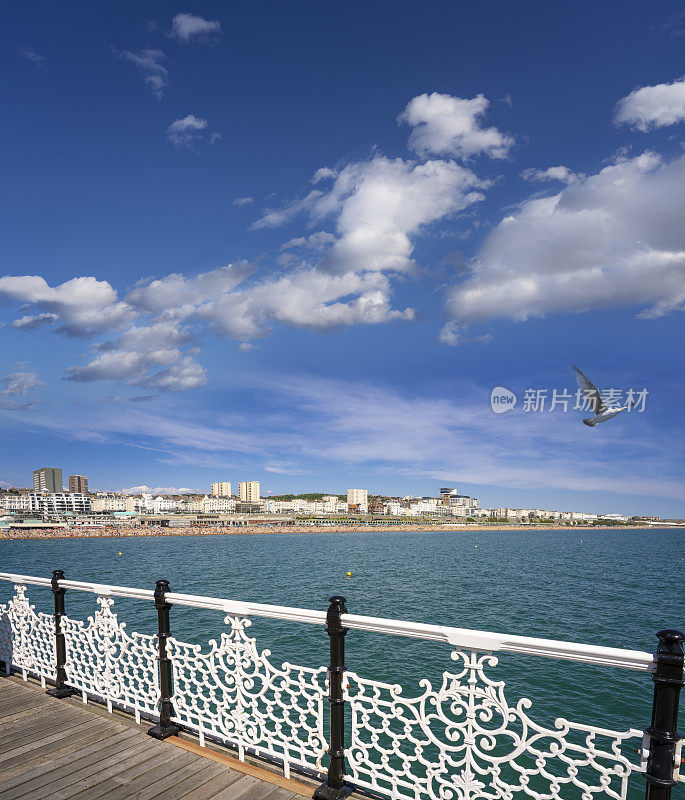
(301, 243)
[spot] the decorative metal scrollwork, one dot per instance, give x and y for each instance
(104, 661)
(464, 741)
(27, 639)
(233, 692)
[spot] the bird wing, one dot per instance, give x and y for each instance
(590, 391)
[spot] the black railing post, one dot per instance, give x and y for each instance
(61, 689)
(165, 727)
(335, 788)
(663, 734)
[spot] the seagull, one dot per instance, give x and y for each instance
(594, 398)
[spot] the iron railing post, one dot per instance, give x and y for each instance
(663, 734)
(165, 727)
(60, 689)
(335, 788)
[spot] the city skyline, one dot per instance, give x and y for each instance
(278, 248)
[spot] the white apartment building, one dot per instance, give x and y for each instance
(110, 504)
(161, 505)
(249, 491)
(56, 504)
(217, 505)
(358, 498)
(221, 489)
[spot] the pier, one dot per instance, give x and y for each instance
(61, 749)
(224, 719)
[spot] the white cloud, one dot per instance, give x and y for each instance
(451, 334)
(149, 64)
(315, 241)
(652, 106)
(32, 321)
(304, 299)
(380, 205)
(274, 217)
(562, 174)
(178, 295)
(186, 132)
(324, 174)
(82, 305)
(451, 126)
(31, 55)
(191, 28)
(157, 490)
(613, 239)
(243, 201)
(19, 383)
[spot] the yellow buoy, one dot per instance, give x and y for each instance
(349, 574)
(119, 553)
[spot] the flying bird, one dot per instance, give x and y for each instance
(591, 393)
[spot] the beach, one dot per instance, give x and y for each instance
(213, 530)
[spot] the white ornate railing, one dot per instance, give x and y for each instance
(462, 740)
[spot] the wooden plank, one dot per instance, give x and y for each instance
(180, 790)
(70, 772)
(118, 786)
(93, 774)
(18, 704)
(282, 794)
(294, 786)
(164, 784)
(34, 722)
(49, 745)
(209, 790)
(43, 735)
(45, 758)
(237, 789)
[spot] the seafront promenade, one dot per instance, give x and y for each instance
(123, 532)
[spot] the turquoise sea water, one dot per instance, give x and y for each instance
(614, 588)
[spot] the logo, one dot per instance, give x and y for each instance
(502, 400)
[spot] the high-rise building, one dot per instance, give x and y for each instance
(47, 479)
(78, 484)
(358, 500)
(249, 491)
(221, 489)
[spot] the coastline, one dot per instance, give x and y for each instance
(122, 533)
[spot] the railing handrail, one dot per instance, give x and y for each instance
(486, 641)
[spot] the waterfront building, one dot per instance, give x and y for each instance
(110, 504)
(221, 489)
(358, 501)
(217, 504)
(47, 479)
(56, 504)
(249, 491)
(78, 483)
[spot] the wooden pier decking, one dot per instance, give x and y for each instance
(63, 750)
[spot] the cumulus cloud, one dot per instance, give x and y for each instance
(191, 28)
(562, 174)
(652, 106)
(243, 201)
(451, 126)
(149, 63)
(83, 306)
(379, 205)
(613, 239)
(186, 132)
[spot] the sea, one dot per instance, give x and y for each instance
(614, 588)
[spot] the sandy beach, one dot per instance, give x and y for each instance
(121, 532)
